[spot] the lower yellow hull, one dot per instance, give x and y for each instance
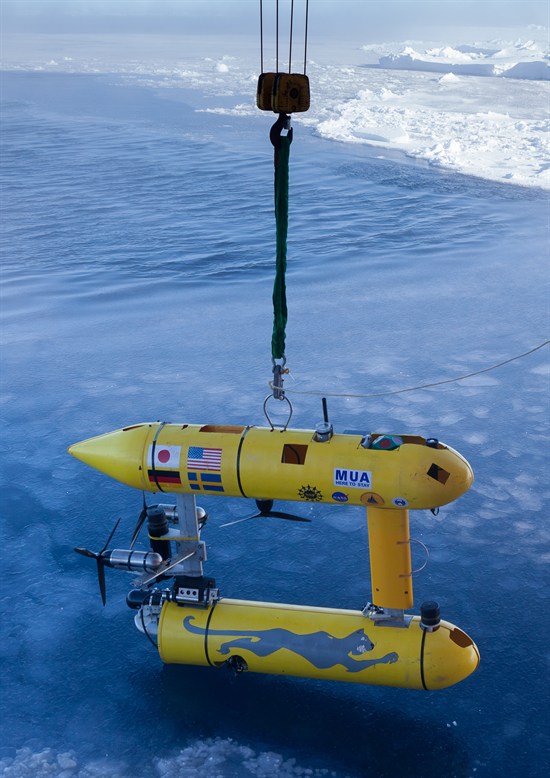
(309, 642)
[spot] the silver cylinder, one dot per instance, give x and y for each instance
(125, 559)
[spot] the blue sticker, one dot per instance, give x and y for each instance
(340, 497)
(400, 502)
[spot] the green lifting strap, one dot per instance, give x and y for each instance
(281, 219)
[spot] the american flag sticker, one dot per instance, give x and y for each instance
(204, 458)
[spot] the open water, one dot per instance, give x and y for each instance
(137, 265)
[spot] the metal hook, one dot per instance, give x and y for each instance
(282, 123)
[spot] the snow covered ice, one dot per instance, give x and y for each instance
(479, 108)
(210, 758)
(449, 107)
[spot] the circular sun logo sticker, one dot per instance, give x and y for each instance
(310, 493)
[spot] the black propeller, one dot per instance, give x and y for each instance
(140, 522)
(264, 510)
(98, 556)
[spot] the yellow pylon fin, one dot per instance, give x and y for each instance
(390, 557)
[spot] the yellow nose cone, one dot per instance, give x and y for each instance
(433, 476)
(448, 656)
(461, 474)
(118, 454)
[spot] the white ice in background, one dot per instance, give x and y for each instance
(457, 108)
(210, 758)
(479, 108)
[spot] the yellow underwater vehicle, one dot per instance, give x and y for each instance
(385, 474)
(193, 624)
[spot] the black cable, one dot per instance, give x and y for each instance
(206, 634)
(290, 43)
(422, 646)
(145, 628)
(277, 37)
(153, 448)
(305, 37)
(261, 37)
(426, 386)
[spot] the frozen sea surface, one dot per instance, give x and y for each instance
(467, 105)
(138, 245)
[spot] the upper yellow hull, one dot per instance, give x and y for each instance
(263, 463)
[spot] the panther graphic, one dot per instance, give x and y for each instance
(319, 648)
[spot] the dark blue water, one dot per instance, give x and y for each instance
(137, 264)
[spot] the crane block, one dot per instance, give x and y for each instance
(283, 92)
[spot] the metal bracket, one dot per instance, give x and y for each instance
(386, 617)
(188, 535)
(277, 385)
(203, 592)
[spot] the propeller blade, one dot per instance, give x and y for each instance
(110, 537)
(101, 579)
(97, 555)
(239, 521)
(287, 516)
(139, 525)
(264, 512)
(265, 506)
(86, 552)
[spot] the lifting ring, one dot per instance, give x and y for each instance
(281, 427)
